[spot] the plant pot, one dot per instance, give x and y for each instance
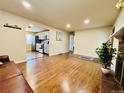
(105, 71)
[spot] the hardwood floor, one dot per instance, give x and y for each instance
(109, 85)
(62, 74)
(33, 55)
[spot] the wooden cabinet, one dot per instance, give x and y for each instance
(12, 80)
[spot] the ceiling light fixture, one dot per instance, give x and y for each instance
(86, 21)
(30, 26)
(26, 4)
(68, 26)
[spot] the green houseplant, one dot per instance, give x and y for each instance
(105, 53)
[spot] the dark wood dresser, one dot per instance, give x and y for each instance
(12, 80)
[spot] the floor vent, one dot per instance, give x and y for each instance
(89, 58)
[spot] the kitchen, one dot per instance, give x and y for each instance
(37, 42)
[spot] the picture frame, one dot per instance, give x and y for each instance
(59, 36)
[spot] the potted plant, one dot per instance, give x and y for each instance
(105, 53)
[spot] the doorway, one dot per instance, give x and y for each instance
(31, 52)
(71, 43)
(34, 47)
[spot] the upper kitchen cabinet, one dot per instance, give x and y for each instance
(43, 35)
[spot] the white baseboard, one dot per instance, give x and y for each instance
(87, 55)
(21, 61)
(58, 53)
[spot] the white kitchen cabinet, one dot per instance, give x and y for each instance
(46, 47)
(38, 45)
(43, 35)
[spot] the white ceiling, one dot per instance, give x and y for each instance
(34, 29)
(58, 13)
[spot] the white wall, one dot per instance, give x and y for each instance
(118, 24)
(58, 47)
(120, 20)
(12, 41)
(87, 41)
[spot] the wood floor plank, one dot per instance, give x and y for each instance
(62, 74)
